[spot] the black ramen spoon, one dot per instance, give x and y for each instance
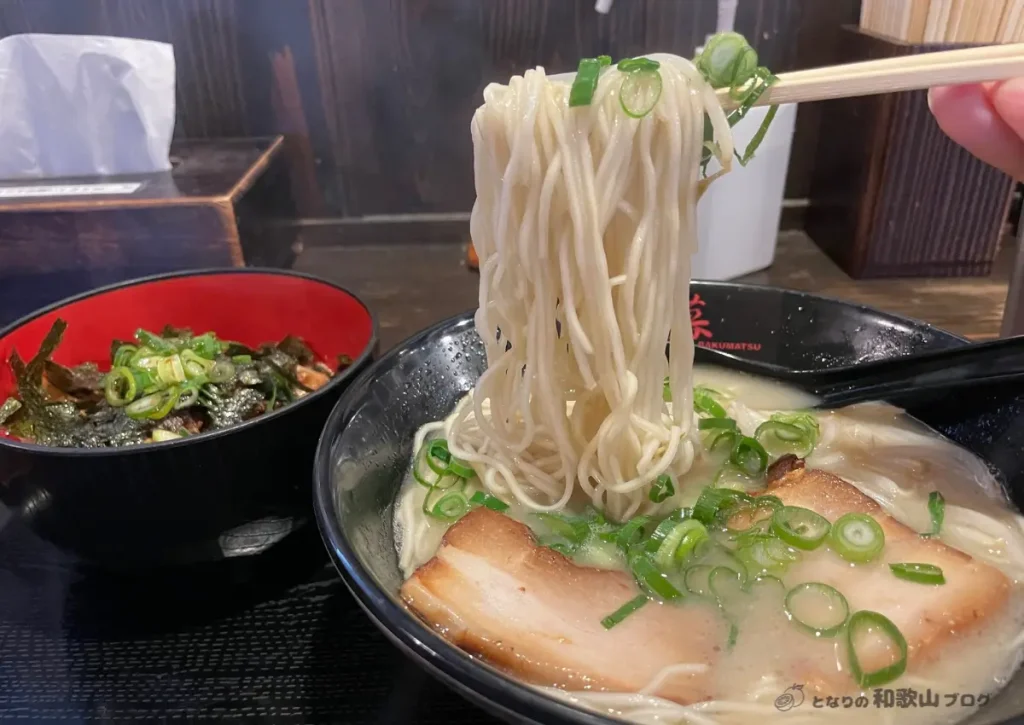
(953, 369)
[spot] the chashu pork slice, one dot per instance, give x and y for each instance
(492, 591)
(928, 616)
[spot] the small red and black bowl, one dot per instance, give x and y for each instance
(195, 498)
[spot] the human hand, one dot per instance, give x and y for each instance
(986, 119)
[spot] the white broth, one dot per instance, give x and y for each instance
(894, 460)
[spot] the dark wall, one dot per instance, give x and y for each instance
(377, 94)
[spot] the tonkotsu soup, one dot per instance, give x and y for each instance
(663, 543)
(776, 666)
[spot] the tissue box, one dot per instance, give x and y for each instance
(221, 205)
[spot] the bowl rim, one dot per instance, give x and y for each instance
(472, 677)
(354, 369)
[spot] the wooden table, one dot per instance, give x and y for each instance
(411, 286)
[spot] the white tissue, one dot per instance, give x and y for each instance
(77, 105)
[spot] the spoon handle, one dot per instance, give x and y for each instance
(956, 368)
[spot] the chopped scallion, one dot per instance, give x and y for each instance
(749, 456)
(918, 573)
(485, 499)
(640, 92)
(650, 578)
(937, 511)
(705, 403)
(624, 611)
(717, 502)
(575, 531)
(865, 622)
(857, 537)
(661, 489)
(817, 608)
(799, 527)
(583, 86)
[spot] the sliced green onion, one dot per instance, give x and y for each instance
(725, 584)
(451, 506)
(867, 622)
(717, 424)
(624, 611)
(438, 455)
(749, 456)
(222, 371)
(421, 471)
(694, 537)
(714, 503)
(937, 510)
(685, 535)
(195, 365)
(604, 60)
(799, 527)
(170, 370)
(789, 433)
(145, 406)
(632, 65)
(160, 435)
(241, 359)
(650, 578)
(727, 60)
(640, 92)
(722, 441)
(170, 399)
(766, 583)
(696, 579)
(705, 403)
(583, 86)
(765, 555)
(817, 608)
(485, 499)
(918, 573)
(206, 345)
(631, 532)
(189, 397)
(857, 537)
(460, 468)
(119, 387)
(154, 342)
(664, 528)
(574, 531)
(123, 355)
(662, 489)
(762, 130)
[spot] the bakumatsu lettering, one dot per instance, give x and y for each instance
(703, 336)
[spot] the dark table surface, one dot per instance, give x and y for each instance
(274, 638)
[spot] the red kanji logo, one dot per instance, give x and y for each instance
(701, 327)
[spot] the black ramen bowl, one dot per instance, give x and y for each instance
(367, 446)
(228, 493)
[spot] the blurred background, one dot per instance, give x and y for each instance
(371, 182)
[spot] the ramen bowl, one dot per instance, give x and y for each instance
(367, 446)
(229, 492)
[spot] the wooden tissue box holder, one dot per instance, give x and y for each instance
(891, 195)
(219, 206)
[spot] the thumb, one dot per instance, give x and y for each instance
(971, 116)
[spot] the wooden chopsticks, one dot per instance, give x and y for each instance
(904, 73)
